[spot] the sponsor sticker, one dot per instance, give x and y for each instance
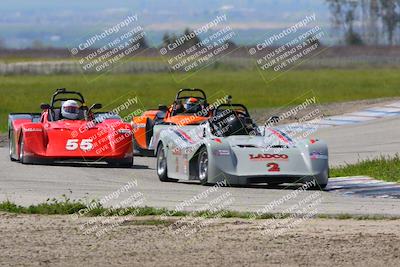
(268, 157)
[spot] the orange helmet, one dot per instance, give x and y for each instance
(191, 104)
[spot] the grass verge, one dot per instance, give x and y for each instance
(66, 206)
(382, 168)
(24, 93)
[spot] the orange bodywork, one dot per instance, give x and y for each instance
(143, 131)
(139, 127)
(185, 119)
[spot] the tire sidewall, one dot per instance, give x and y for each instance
(163, 176)
(21, 152)
(203, 151)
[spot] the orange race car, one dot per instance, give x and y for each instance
(189, 108)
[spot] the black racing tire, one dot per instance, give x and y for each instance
(161, 167)
(322, 186)
(21, 151)
(274, 184)
(126, 163)
(202, 166)
(138, 151)
(10, 148)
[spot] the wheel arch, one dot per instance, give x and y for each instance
(193, 166)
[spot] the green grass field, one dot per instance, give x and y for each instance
(25, 93)
(65, 206)
(383, 168)
(16, 59)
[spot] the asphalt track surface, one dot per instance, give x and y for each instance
(31, 184)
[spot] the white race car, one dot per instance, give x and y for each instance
(230, 146)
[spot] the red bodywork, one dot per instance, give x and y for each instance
(40, 139)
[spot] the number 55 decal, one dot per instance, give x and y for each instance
(273, 167)
(85, 145)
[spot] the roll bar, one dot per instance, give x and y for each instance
(216, 110)
(64, 91)
(192, 90)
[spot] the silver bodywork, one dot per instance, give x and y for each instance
(270, 157)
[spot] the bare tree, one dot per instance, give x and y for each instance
(389, 17)
(344, 15)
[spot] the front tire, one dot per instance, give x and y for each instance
(10, 145)
(162, 170)
(22, 151)
(322, 181)
(203, 166)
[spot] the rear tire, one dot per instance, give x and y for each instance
(22, 151)
(162, 170)
(128, 163)
(10, 146)
(203, 166)
(274, 184)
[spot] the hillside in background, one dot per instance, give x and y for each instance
(62, 23)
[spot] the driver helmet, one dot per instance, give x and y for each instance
(192, 104)
(70, 110)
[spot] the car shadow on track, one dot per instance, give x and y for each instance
(254, 186)
(94, 165)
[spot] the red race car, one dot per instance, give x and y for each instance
(68, 130)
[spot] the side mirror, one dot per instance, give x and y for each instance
(272, 120)
(96, 106)
(44, 106)
(162, 107)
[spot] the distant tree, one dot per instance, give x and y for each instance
(37, 44)
(372, 21)
(353, 38)
(2, 44)
(377, 20)
(143, 42)
(311, 39)
(173, 38)
(194, 40)
(343, 15)
(390, 17)
(231, 44)
(166, 39)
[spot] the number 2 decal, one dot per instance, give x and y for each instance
(72, 144)
(273, 167)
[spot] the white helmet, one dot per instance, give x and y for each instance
(70, 110)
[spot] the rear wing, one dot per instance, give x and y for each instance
(34, 117)
(23, 117)
(192, 92)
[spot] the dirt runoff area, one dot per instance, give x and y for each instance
(40, 240)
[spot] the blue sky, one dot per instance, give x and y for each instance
(60, 22)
